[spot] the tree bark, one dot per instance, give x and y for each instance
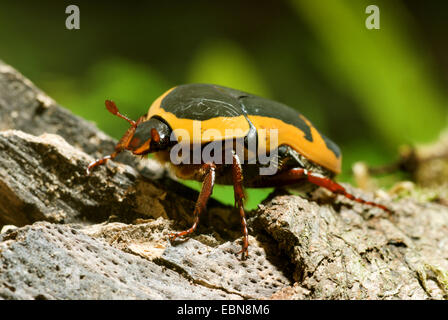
(67, 235)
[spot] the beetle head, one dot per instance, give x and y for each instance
(149, 136)
(141, 138)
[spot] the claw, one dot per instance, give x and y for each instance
(244, 253)
(97, 162)
(173, 236)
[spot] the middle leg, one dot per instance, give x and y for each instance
(237, 177)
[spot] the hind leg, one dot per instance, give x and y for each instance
(296, 174)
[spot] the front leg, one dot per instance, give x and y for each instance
(237, 176)
(201, 203)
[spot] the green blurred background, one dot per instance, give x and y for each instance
(369, 90)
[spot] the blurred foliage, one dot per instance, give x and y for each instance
(369, 90)
(224, 62)
(119, 80)
(382, 69)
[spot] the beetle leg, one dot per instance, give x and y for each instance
(99, 162)
(338, 189)
(237, 176)
(298, 173)
(201, 203)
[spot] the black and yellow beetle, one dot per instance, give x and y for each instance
(303, 156)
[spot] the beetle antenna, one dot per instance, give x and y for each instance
(112, 107)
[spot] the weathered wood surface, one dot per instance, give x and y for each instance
(105, 236)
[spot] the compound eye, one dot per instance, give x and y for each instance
(155, 135)
(135, 143)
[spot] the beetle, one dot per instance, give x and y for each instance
(302, 155)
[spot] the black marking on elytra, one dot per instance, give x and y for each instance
(257, 106)
(206, 101)
(332, 146)
(200, 102)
